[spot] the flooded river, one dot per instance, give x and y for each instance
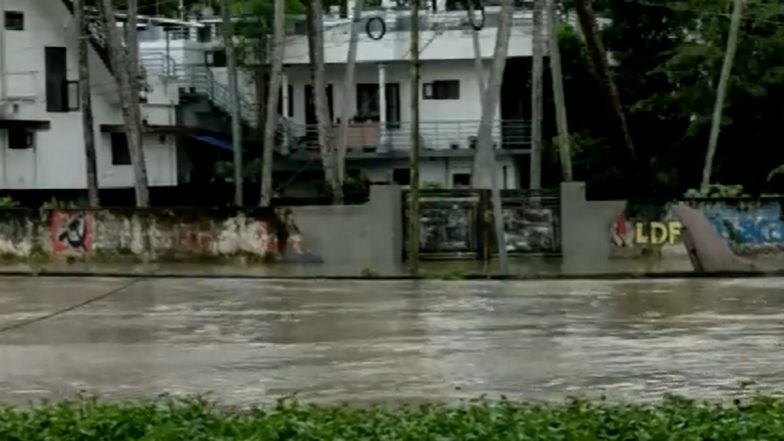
(250, 341)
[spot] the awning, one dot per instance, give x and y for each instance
(213, 141)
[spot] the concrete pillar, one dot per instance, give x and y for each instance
(382, 104)
(284, 105)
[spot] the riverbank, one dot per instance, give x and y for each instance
(672, 418)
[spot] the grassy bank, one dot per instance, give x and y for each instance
(671, 419)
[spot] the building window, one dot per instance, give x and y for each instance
(441, 90)
(56, 82)
(461, 180)
(120, 153)
(14, 20)
(20, 138)
(215, 58)
(401, 176)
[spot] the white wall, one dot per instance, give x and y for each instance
(57, 159)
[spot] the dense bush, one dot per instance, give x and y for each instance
(195, 420)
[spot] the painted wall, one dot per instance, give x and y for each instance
(341, 237)
(56, 160)
(616, 236)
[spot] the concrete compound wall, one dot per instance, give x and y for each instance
(619, 236)
(364, 236)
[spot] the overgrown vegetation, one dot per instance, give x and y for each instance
(195, 420)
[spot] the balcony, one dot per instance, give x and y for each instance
(437, 138)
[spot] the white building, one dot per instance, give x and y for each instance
(379, 137)
(41, 137)
(186, 94)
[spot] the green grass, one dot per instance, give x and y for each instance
(196, 420)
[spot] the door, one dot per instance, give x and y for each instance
(368, 106)
(56, 81)
(310, 105)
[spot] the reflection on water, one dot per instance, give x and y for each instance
(250, 341)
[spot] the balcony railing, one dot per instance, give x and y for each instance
(434, 136)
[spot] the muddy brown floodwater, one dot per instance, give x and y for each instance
(250, 341)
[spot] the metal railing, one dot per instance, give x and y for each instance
(434, 135)
(365, 136)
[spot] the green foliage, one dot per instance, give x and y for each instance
(8, 202)
(775, 172)
(197, 420)
(55, 203)
(668, 55)
(717, 191)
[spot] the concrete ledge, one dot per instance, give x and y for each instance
(164, 274)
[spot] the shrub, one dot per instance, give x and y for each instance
(196, 420)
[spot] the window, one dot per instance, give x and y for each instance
(56, 83)
(441, 90)
(14, 20)
(20, 138)
(215, 58)
(120, 153)
(204, 35)
(310, 104)
(401, 176)
(461, 180)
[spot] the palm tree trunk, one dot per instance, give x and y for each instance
(348, 89)
(276, 75)
(124, 70)
(236, 113)
(478, 64)
(537, 99)
(485, 164)
(721, 92)
(561, 119)
(85, 93)
(597, 57)
(314, 12)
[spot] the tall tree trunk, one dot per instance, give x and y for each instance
(485, 163)
(537, 97)
(87, 106)
(414, 218)
(478, 63)
(556, 74)
(236, 115)
(276, 73)
(597, 57)
(721, 92)
(348, 89)
(260, 89)
(314, 11)
(124, 70)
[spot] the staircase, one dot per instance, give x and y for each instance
(198, 79)
(97, 37)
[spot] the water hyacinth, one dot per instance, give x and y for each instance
(673, 418)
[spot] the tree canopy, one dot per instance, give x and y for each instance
(667, 57)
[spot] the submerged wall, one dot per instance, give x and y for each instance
(363, 236)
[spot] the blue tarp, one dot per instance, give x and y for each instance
(213, 141)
